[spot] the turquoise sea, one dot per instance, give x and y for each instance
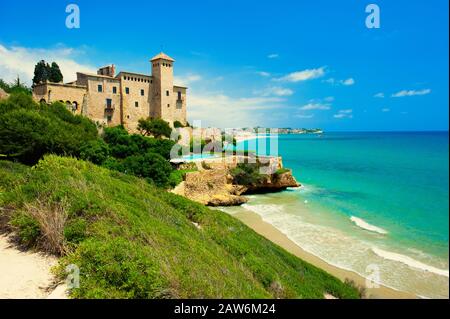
(373, 203)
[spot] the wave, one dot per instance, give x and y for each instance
(409, 261)
(365, 225)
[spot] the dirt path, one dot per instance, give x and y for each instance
(25, 274)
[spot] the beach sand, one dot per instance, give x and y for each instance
(255, 222)
(26, 274)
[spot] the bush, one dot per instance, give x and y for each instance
(177, 176)
(96, 151)
(246, 174)
(29, 130)
(151, 166)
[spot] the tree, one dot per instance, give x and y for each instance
(55, 73)
(177, 124)
(41, 72)
(96, 151)
(156, 127)
(28, 130)
(150, 165)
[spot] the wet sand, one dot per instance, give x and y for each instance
(255, 222)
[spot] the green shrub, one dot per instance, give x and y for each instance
(177, 176)
(96, 151)
(27, 228)
(150, 165)
(246, 174)
(29, 130)
(133, 240)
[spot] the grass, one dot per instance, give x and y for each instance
(133, 240)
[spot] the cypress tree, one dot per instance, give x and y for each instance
(55, 73)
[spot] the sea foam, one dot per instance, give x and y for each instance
(409, 261)
(365, 225)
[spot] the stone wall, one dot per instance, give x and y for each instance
(65, 93)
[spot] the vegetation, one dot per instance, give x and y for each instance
(133, 240)
(177, 124)
(247, 174)
(154, 127)
(29, 130)
(44, 72)
(15, 88)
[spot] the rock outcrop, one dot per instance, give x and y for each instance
(274, 182)
(213, 185)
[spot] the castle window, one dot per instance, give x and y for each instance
(100, 88)
(114, 90)
(179, 96)
(109, 118)
(136, 104)
(168, 105)
(108, 103)
(142, 92)
(167, 93)
(127, 90)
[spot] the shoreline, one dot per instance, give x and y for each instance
(255, 222)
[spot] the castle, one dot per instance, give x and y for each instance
(124, 98)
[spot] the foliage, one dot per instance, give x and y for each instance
(29, 130)
(177, 124)
(247, 174)
(154, 127)
(150, 165)
(55, 74)
(96, 151)
(43, 72)
(15, 87)
(178, 175)
(123, 144)
(133, 240)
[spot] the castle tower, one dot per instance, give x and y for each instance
(162, 99)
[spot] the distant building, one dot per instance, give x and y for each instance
(124, 98)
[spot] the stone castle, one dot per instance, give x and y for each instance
(112, 99)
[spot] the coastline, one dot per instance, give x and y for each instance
(255, 222)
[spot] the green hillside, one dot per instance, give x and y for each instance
(131, 239)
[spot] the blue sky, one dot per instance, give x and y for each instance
(268, 63)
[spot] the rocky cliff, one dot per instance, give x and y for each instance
(215, 185)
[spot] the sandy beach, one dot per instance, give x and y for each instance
(26, 274)
(255, 222)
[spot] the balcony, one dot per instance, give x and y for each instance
(109, 108)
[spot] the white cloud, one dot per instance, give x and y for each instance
(186, 80)
(20, 61)
(304, 75)
(379, 95)
(315, 106)
(275, 90)
(347, 113)
(262, 73)
(411, 93)
(273, 56)
(346, 82)
(329, 99)
(385, 109)
(220, 110)
(349, 81)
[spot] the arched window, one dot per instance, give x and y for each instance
(42, 101)
(74, 106)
